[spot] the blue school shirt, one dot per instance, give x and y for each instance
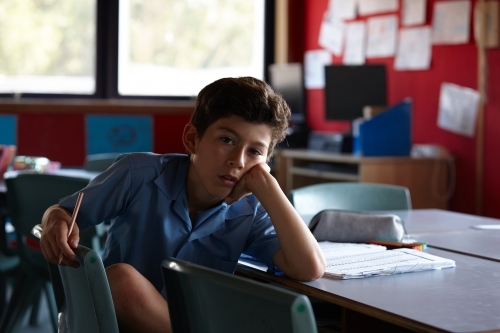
(144, 196)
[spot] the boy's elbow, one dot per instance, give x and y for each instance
(317, 271)
(313, 271)
(306, 269)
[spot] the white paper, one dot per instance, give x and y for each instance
(384, 263)
(414, 12)
(382, 33)
(333, 250)
(354, 53)
(342, 9)
(486, 227)
(458, 109)
(367, 7)
(331, 34)
(451, 22)
(414, 49)
(314, 68)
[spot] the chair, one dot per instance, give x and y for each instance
(9, 261)
(9, 267)
(88, 306)
(28, 196)
(99, 162)
(205, 300)
(312, 199)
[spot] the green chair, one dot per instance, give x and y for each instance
(310, 200)
(9, 260)
(209, 301)
(99, 162)
(28, 196)
(9, 267)
(88, 306)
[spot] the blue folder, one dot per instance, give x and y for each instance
(386, 134)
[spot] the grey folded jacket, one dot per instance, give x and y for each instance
(356, 227)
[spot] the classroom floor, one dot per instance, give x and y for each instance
(44, 325)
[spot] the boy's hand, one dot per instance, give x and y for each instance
(55, 244)
(243, 186)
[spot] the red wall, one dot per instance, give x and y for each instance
(454, 64)
(61, 137)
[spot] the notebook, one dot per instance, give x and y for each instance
(350, 261)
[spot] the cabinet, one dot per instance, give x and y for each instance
(425, 177)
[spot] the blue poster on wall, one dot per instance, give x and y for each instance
(118, 134)
(8, 130)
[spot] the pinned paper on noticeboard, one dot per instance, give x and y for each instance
(413, 12)
(451, 22)
(414, 49)
(331, 34)
(354, 53)
(342, 9)
(368, 7)
(314, 68)
(382, 34)
(458, 109)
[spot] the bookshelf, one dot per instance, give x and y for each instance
(427, 178)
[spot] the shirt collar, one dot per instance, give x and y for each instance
(172, 182)
(172, 179)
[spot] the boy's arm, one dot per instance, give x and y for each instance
(105, 196)
(300, 256)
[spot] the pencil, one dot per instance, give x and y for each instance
(75, 212)
(73, 219)
(415, 246)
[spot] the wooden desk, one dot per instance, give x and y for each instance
(479, 243)
(426, 178)
(453, 231)
(419, 221)
(461, 299)
(77, 173)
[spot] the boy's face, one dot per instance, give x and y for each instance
(228, 149)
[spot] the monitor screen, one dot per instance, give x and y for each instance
(350, 88)
(288, 80)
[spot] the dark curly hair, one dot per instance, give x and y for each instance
(247, 97)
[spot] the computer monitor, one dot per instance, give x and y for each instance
(350, 88)
(288, 80)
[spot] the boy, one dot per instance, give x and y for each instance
(207, 207)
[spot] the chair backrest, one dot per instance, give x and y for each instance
(99, 162)
(89, 307)
(312, 199)
(205, 300)
(29, 194)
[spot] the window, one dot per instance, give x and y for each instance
(48, 46)
(176, 47)
(130, 48)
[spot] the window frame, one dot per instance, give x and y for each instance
(106, 75)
